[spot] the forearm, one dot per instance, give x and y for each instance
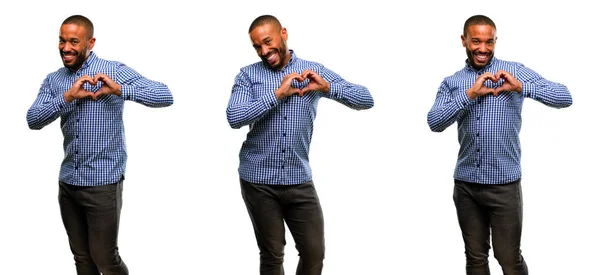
(242, 111)
(446, 110)
(44, 111)
(354, 96)
(148, 93)
(549, 93)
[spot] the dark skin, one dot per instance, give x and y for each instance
(482, 39)
(269, 41)
(511, 84)
(75, 38)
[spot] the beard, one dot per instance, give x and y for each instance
(80, 57)
(281, 53)
(472, 62)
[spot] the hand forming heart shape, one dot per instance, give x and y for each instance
(108, 86)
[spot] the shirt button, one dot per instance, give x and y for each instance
(478, 118)
(283, 151)
(477, 165)
(75, 167)
(76, 152)
(284, 118)
(477, 150)
(76, 136)
(77, 120)
(282, 166)
(128, 97)
(284, 134)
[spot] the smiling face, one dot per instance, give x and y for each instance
(480, 41)
(269, 41)
(74, 45)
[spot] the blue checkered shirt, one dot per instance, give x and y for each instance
(277, 145)
(94, 137)
(488, 126)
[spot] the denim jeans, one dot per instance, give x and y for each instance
(269, 206)
(498, 208)
(91, 215)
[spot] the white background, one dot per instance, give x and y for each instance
(384, 179)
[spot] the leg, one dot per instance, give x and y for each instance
(475, 227)
(267, 219)
(507, 221)
(304, 217)
(74, 220)
(103, 204)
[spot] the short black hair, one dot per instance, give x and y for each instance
(478, 20)
(82, 21)
(264, 19)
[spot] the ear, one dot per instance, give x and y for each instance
(464, 40)
(284, 34)
(91, 43)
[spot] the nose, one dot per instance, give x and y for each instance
(65, 47)
(482, 48)
(264, 50)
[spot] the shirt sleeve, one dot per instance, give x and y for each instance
(244, 107)
(46, 108)
(137, 88)
(352, 95)
(446, 108)
(547, 92)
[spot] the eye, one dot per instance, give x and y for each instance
(476, 42)
(491, 42)
(268, 42)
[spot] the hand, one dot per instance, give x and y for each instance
(77, 91)
(510, 83)
(315, 83)
(286, 89)
(109, 87)
(478, 88)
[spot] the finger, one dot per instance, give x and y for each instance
(100, 76)
(308, 73)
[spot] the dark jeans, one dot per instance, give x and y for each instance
(497, 208)
(298, 205)
(91, 219)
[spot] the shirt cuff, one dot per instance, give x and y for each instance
(60, 102)
(528, 90)
(462, 100)
(128, 92)
(270, 100)
(335, 91)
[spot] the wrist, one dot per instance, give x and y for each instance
(471, 94)
(278, 94)
(68, 97)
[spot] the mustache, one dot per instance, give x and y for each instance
(269, 53)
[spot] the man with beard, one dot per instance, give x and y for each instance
(485, 99)
(278, 99)
(88, 95)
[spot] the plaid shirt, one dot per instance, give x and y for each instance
(277, 145)
(94, 137)
(488, 126)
